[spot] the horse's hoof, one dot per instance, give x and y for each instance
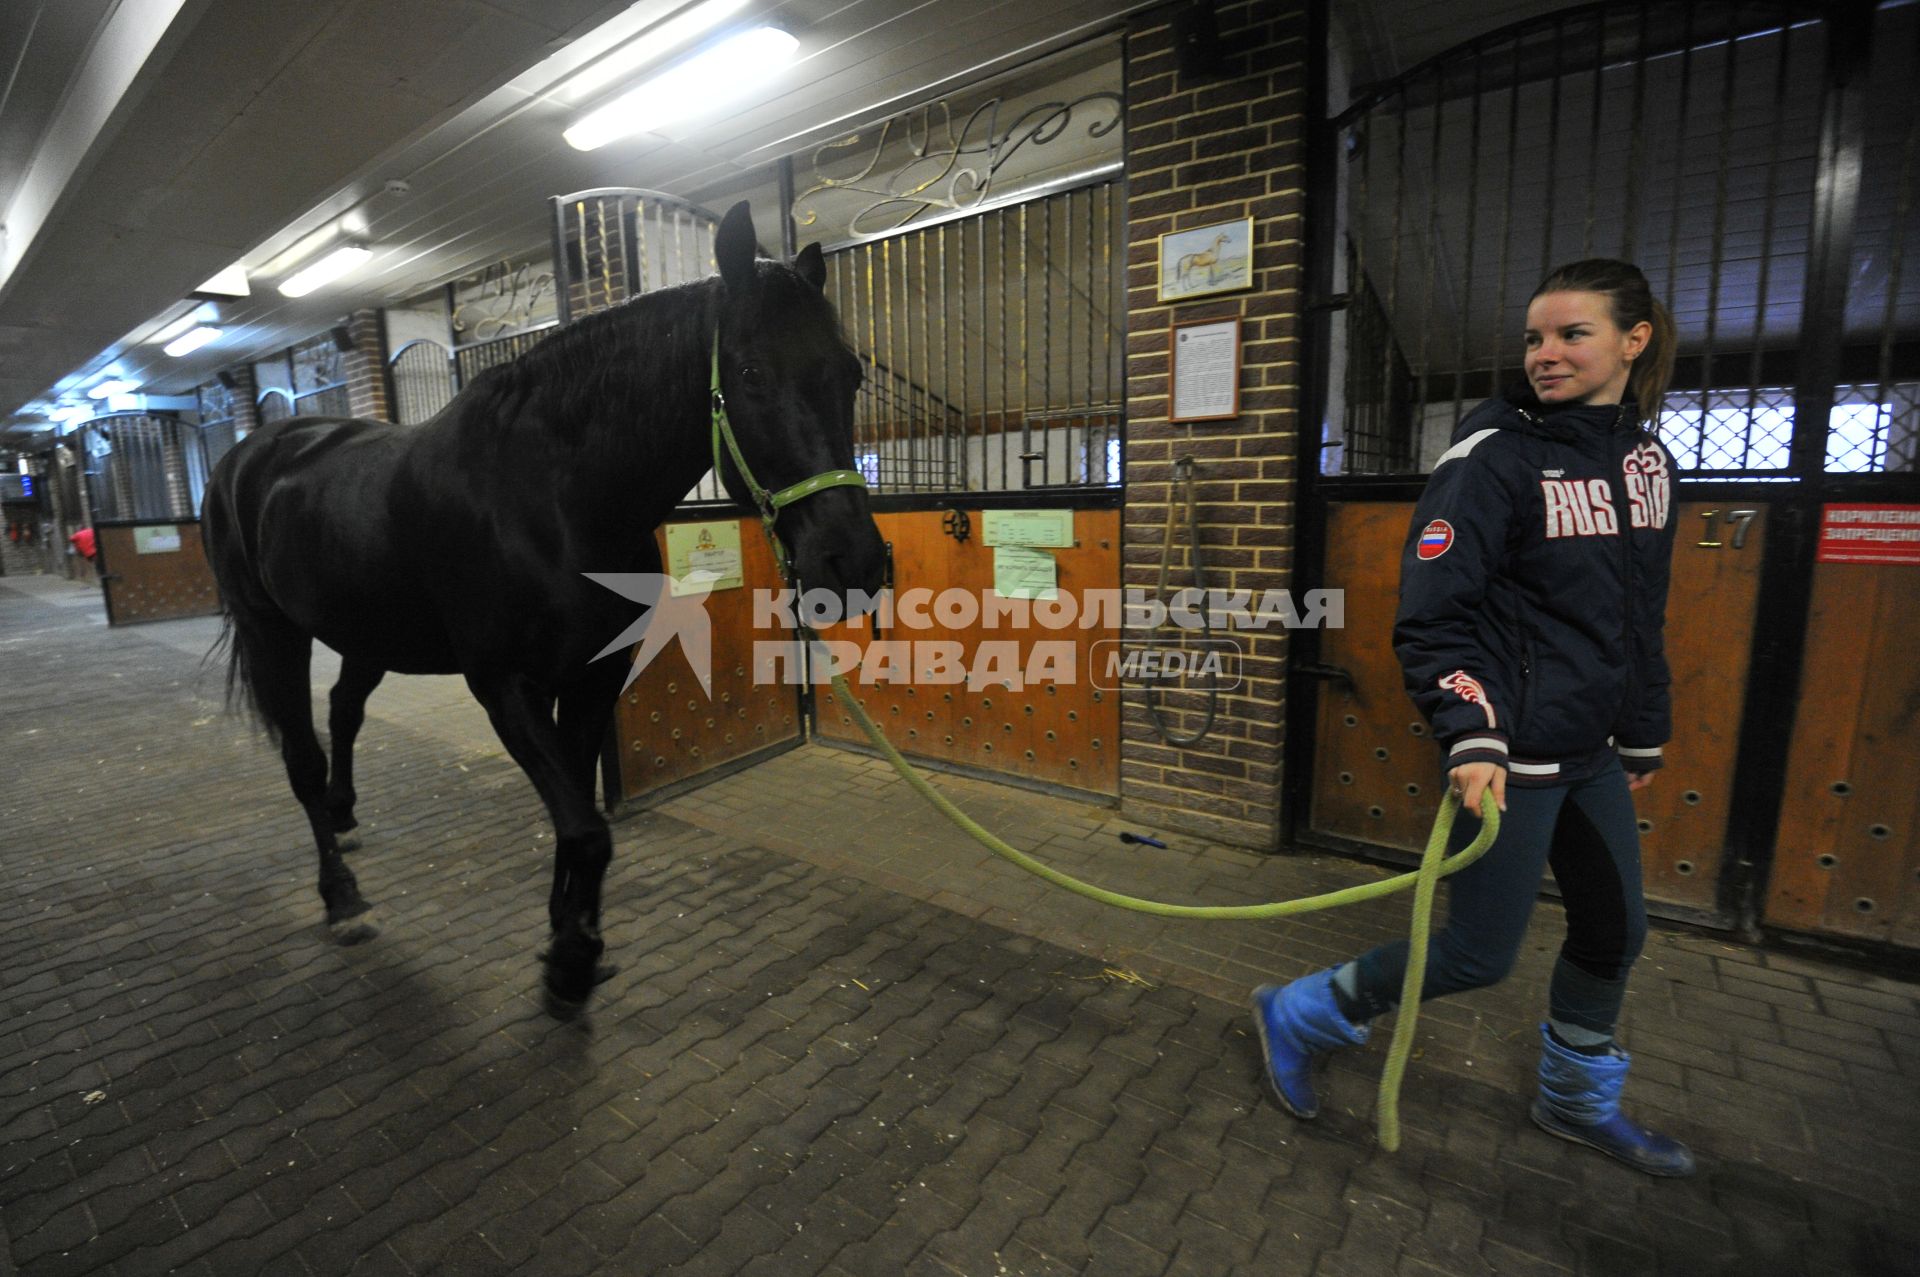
(354, 924)
(567, 986)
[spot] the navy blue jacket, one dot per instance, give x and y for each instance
(1533, 592)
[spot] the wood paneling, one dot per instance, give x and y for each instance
(1710, 620)
(1376, 772)
(1847, 858)
(154, 587)
(668, 730)
(1062, 732)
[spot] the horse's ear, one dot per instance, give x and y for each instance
(734, 247)
(811, 266)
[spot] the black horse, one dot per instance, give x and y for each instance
(458, 546)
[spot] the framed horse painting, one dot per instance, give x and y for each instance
(1206, 260)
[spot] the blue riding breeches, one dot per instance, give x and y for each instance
(1586, 832)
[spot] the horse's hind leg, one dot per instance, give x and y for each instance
(278, 661)
(346, 711)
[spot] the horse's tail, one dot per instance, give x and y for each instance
(230, 645)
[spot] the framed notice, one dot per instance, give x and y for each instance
(1206, 371)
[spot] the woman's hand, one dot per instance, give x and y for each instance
(1639, 780)
(1470, 780)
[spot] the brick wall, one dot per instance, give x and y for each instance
(368, 394)
(1201, 151)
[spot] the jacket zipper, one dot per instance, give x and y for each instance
(1623, 520)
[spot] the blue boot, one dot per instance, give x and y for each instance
(1580, 1101)
(1296, 1023)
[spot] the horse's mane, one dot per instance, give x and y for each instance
(629, 349)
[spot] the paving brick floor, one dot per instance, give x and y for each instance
(842, 1040)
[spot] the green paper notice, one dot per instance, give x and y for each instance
(712, 549)
(1027, 527)
(1023, 573)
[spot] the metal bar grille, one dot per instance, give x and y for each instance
(1028, 290)
(143, 467)
(470, 361)
(1702, 127)
(424, 380)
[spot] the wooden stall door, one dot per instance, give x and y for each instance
(154, 572)
(1847, 856)
(1376, 771)
(1710, 622)
(1059, 732)
(669, 734)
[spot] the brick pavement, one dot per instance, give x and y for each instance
(842, 1041)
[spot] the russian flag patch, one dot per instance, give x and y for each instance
(1435, 539)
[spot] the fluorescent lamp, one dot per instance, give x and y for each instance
(115, 387)
(73, 412)
(188, 342)
(326, 270)
(656, 43)
(731, 69)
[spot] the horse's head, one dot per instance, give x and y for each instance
(789, 380)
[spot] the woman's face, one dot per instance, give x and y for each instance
(1575, 352)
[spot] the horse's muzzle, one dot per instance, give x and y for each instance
(834, 543)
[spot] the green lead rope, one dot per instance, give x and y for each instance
(1435, 864)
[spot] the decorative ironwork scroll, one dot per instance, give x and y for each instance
(944, 171)
(505, 298)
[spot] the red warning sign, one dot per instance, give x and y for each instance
(1870, 534)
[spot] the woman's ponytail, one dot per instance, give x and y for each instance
(1653, 370)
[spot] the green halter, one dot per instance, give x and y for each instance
(769, 503)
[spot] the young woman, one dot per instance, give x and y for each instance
(1533, 592)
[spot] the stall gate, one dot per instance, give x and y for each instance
(144, 477)
(1757, 161)
(992, 345)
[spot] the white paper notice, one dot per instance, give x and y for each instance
(1205, 368)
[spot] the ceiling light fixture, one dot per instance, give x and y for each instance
(730, 69)
(326, 270)
(188, 342)
(114, 387)
(204, 313)
(656, 43)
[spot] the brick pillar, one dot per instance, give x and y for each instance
(1202, 151)
(366, 367)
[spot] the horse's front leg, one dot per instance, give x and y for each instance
(523, 716)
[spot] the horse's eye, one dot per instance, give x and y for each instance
(751, 376)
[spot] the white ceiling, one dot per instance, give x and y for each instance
(147, 144)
